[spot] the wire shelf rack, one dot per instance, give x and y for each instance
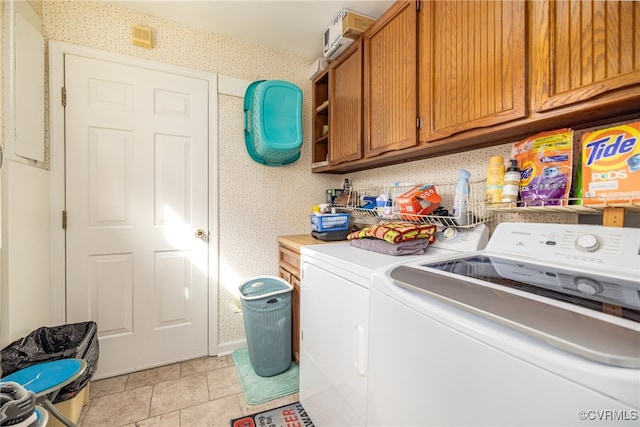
(582, 206)
(358, 202)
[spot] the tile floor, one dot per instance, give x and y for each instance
(194, 393)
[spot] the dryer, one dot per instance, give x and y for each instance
(334, 321)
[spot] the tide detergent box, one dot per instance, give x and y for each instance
(611, 165)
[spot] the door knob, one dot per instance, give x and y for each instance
(200, 233)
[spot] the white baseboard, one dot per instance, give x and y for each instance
(230, 346)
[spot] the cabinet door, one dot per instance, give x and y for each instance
(472, 65)
(584, 50)
(390, 73)
(289, 270)
(295, 312)
(345, 99)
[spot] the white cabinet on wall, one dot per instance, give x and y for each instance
(24, 82)
(24, 193)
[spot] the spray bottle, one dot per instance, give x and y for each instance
(461, 198)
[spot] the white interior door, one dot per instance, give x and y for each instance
(136, 195)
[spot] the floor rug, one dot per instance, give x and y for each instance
(288, 415)
(259, 389)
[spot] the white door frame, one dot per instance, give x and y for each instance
(57, 50)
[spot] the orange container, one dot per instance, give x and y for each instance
(611, 165)
(420, 200)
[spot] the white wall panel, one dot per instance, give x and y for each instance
(25, 255)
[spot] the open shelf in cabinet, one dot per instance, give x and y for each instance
(320, 134)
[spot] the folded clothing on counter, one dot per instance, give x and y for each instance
(408, 247)
(396, 232)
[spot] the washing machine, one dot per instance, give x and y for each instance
(542, 327)
(334, 321)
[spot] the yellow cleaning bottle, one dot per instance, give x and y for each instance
(495, 180)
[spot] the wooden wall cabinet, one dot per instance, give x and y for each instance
(372, 93)
(345, 98)
(472, 65)
(585, 54)
(474, 73)
(390, 81)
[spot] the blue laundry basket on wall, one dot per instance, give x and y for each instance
(273, 122)
(266, 310)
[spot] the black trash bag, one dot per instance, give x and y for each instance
(77, 340)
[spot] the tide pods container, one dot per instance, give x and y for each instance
(611, 165)
(273, 122)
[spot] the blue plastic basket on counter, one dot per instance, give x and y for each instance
(330, 222)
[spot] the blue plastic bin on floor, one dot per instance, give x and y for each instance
(266, 309)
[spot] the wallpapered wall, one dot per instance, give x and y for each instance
(256, 203)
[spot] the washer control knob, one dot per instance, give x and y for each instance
(588, 243)
(449, 233)
(588, 286)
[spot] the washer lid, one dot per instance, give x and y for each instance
(575, 331)
(579, 287)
